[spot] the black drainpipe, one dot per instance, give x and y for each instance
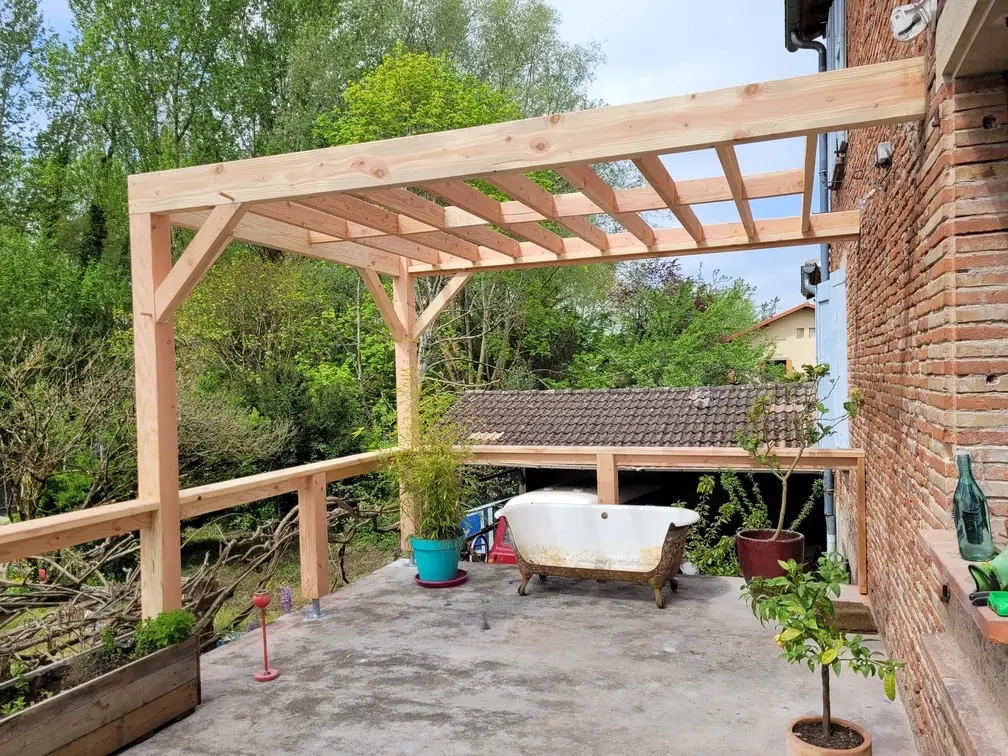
(824, 274)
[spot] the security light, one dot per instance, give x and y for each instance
(908, 21)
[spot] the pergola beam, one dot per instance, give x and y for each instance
(524, 189)
(465, 225)
(385, 307)
(373, 217)
(844, 99)
(489, 209)
(295, 239)
(654, 173)
(591, 185)
(729, 161)
(725, 237)
(439, 303)
(689, 192)
(808, 181)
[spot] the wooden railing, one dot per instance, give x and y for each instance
(46, 534)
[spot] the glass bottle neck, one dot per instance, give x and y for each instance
(963, 463)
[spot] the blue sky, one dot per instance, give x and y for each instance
(660, 48)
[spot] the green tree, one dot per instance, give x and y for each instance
(665, 329)
(413, 93)
(21, 39)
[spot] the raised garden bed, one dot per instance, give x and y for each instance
(108, 712)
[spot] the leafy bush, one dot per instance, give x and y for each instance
(165, 630)
(710, 545)
(20, 701)
(800, 604)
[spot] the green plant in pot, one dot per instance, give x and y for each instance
(760, 551)
(435, 483)
(800, 603)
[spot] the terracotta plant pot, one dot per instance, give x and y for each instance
(759, 556)
(798, 747)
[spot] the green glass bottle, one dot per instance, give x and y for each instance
(972, 520)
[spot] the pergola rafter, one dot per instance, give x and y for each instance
(412, 207)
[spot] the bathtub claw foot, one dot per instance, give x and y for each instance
(659, 597)
(524, 585)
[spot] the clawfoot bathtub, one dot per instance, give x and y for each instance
(566, 534)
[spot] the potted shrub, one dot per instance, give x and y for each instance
(433, 480)
(107, 697)
(710, 545)
(801, 605)
(760, 551)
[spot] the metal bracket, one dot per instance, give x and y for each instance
(316, 612)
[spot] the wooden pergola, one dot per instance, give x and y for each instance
(355, 205)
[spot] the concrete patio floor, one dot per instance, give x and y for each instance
(575, 667)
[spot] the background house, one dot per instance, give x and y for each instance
(793, 334)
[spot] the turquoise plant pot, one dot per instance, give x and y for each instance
(436, 561)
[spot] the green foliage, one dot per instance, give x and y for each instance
(760, 434)
(108, 640)
(20, 701)
(710, 544)
(660, 328)
(162, 631)
(413, 93)
(801, 604)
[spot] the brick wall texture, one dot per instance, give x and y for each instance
(927, 319)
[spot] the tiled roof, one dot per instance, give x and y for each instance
(702, 416)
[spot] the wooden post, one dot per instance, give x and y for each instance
(313, 536)
(862, 525)
(407, 382)
(157, 417)
(607, 479)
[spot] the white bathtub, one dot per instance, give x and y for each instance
(568, 528)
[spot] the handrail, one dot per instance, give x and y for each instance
(34, 537)
(24, 539)
(669, 457)
(212, 497)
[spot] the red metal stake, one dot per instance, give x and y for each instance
(262, 599)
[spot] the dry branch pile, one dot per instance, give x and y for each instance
(42, 622)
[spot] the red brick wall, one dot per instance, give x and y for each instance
(927, 335)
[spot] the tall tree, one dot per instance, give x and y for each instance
(21, 39)
(503, 329)
(665, 329)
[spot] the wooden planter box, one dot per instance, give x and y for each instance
(110, 711)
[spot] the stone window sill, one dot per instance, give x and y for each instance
(957, 583)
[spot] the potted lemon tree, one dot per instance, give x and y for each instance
(434, 482)
(800, 603)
